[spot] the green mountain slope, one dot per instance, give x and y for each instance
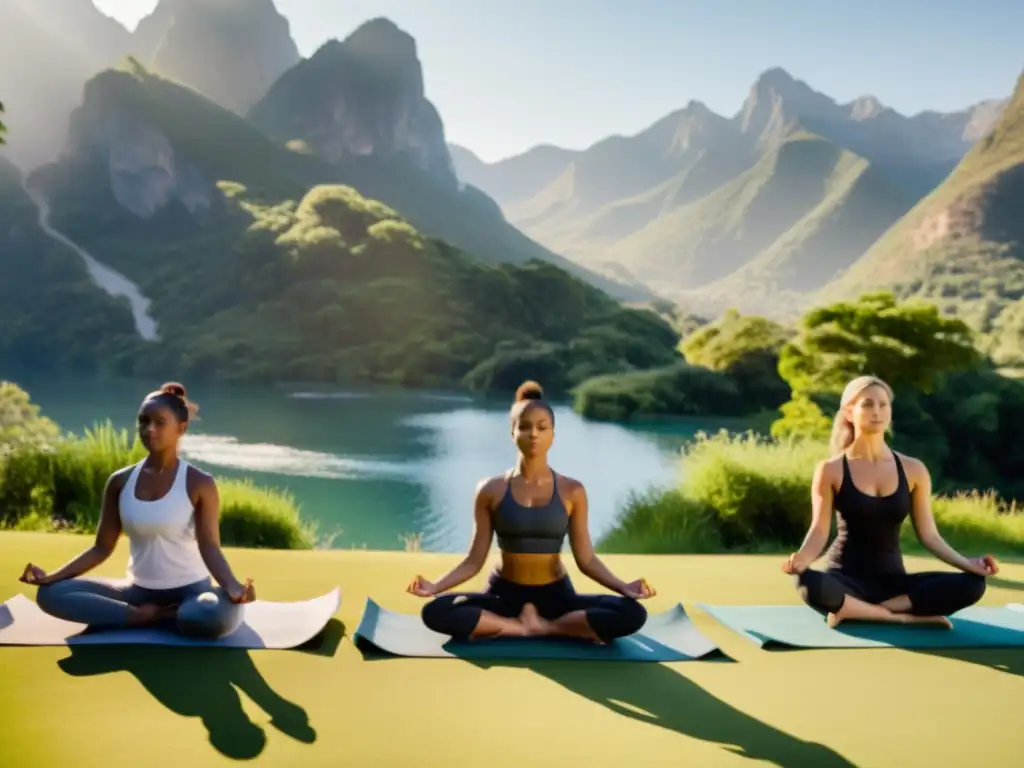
(777, 214)
(260, 266)
(630, 206)
(859, 203)
(962, 245)
(42, 284)
(359, 104)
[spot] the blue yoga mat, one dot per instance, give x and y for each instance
(797, 626)
(668, 636)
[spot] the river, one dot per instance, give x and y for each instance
(376, 468)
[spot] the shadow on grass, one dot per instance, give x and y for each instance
(662, 697)
(204, 683)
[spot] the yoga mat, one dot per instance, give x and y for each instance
(798, 626)
(668, 636)
(266, 625)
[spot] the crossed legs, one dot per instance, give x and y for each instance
(199, 610)
(918, 598)
(508, 609)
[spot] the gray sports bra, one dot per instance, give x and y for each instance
(531, 530)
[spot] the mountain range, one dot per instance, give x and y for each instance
(336, 245)
(752, 209)
(183, 141)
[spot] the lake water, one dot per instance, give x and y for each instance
(376, 467)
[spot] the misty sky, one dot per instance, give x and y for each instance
(509, 74)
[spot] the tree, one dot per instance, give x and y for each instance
(20, 420)
(3, 128)
(908, 345)
(745, 348)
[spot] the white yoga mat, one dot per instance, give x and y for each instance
(266, 625)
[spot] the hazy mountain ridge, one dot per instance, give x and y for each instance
(687, 232)
(962, 245)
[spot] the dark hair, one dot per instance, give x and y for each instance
(530, 394)
(173, 395)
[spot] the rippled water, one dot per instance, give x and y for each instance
(377, 467)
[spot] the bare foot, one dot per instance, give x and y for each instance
(932, 621)
(532, 621)
(884, 616)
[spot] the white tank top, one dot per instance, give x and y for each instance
(162, 535)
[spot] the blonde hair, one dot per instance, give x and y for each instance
(842, 428)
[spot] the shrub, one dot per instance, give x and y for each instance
(748, 494)
(251, 516)
(680, 389)
(61, 486)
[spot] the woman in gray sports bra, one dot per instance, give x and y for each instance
(531, 510)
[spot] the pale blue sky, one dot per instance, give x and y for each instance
(509, 74)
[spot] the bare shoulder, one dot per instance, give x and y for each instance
(492, 488)
(571, 489)
(830, 470)
(915, 469)
(198, 480)
(118, 479)
(570, 485)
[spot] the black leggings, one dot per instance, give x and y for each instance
(931, 594)
(609, 616)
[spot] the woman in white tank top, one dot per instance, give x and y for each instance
(170, 513)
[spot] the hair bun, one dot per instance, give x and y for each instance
(529, 390)
(174, 389)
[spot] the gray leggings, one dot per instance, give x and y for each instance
(204, 610)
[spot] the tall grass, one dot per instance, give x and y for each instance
(60, 486)
(751, 494)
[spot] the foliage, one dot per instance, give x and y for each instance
(42, 285)
(801, 418)
(60, 486)
(908, 344)
(3, 128)
(293, 113)
(745, 494)
(961, 246)
(746, 348)
(337, 288)
(678, 389)
(20, 420)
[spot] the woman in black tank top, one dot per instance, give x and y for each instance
(872, 491)
(531, 594)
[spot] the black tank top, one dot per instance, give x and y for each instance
(531, 530)
(867, 540)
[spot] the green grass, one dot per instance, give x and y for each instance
(59, 487)
(328, 706)
(747, 494)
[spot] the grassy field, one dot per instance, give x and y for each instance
(155, 707)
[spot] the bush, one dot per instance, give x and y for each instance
(251, 516)
(680, 389)
(61, 486)
(747, 494)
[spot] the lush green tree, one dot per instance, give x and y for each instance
(908, 344)
(745, 348)
(20, 420)
(3, 128)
